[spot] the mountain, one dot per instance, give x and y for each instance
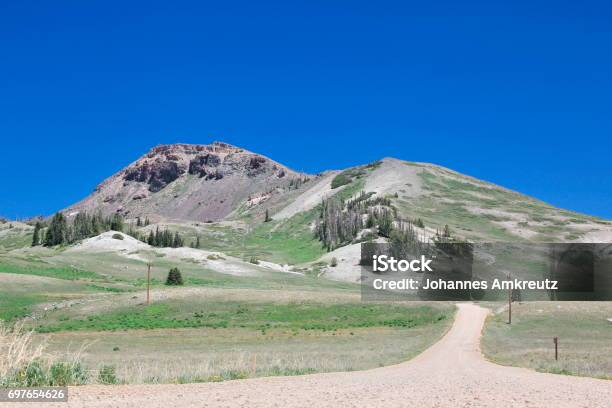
(186, 184)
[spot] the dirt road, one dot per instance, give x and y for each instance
(451, 373)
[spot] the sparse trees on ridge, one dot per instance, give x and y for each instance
(341, 222)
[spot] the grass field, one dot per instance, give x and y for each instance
(241, 321)
(256, 333)
(190, 313)
(197, 355)
(585, 337)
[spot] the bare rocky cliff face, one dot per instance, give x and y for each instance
(188, 182)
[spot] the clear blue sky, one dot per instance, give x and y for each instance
(518, 92)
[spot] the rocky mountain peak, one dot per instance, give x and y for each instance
(188, 181)
(165, 163)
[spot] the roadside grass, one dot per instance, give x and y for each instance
(174, 314)
(585, 337)
(217, 354)
(25, 363)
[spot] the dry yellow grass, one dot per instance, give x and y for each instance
(17, 348)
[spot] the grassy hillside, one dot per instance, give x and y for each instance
(482, 211)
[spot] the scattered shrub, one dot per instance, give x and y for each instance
(62, 374)
(118, 236)
(334, 262)
(254, 260)
(107, 375)
(340, 180)
(32, 375)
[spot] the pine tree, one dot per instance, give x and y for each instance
(370, 220)
(197, 244)
(82, 226)
(57, 233)
(97, 223)
(385, 224)
(116, 223)
(167, 239)
(151, 239)
(178, 241)
(138, 222)
(446, 232)
(36, 237)
(157, 239)
(267, 219)
(174, 277)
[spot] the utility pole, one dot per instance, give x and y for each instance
(148, 283)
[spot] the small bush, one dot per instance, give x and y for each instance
(39, 373)
(334, 262)
(254, 260)
(174, 277)
(118, 236)
(107, 375)
(33, 375)
(62, 374)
